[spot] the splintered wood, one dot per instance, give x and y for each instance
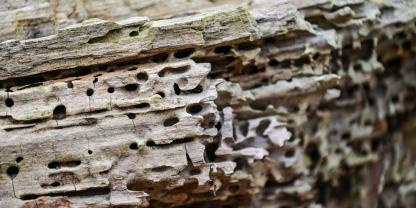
(204, 103)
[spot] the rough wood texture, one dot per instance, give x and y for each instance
(208, 103)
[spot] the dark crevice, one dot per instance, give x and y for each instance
(173, 70)
(160, 58)
(19, 127)
(131, 115)
(142, 105)
(184, 53)
(64, 164)
(176, 89)
(83, 193)
(222, 49)
(209, 153)
(152, 143)
(263, 125)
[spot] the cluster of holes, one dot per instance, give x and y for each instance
(60, 111)
(53, 75)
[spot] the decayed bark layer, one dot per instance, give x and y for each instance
(300, 104)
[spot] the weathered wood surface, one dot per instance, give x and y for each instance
(99, 42)
(250, 104)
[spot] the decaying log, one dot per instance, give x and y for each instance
(222, 103)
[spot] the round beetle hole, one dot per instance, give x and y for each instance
(131, 115)
(59, 112)
(133, 33)
(12, 171)
(134, 146)
(9, 102)
(90, 92)
(142, 76)
(19, 159)
(110, 90)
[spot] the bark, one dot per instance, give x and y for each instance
(208, 103)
